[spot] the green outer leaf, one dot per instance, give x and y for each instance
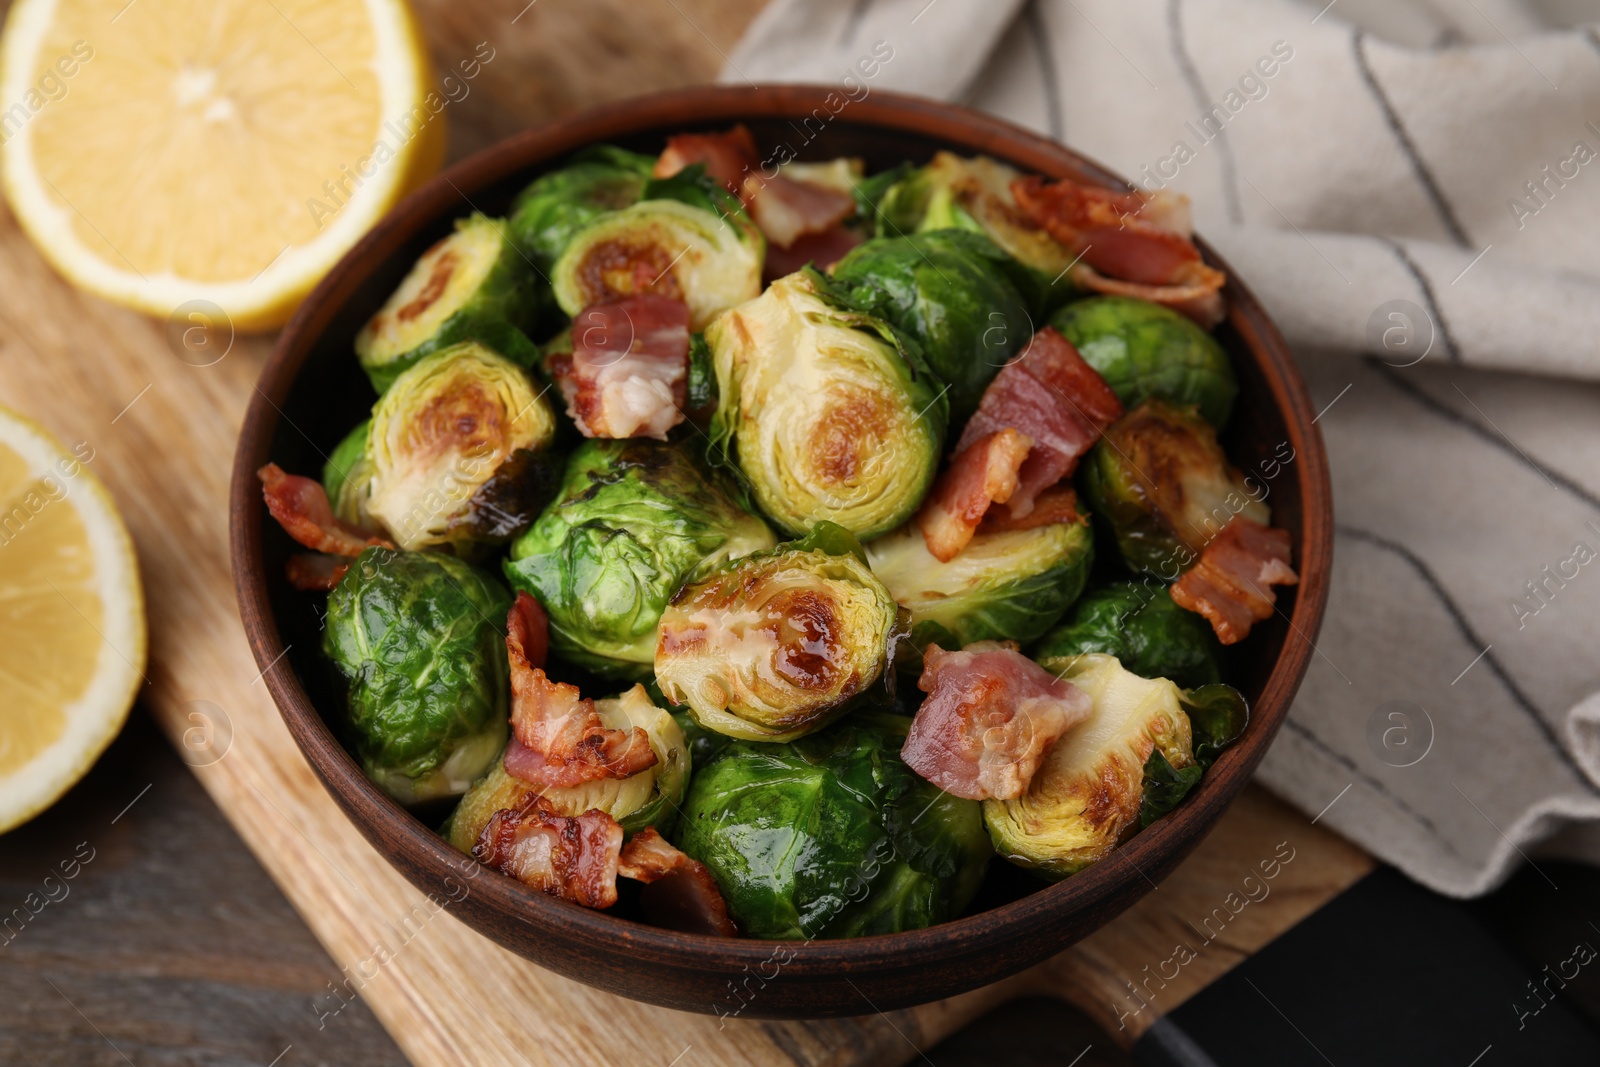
(693, 186)
(1145, 350)
(1165, 786)
(701, 390)
(1139, 624)
(346, 464)
(1218, 715)
(870, 195)
(555, 206)
(417, 639)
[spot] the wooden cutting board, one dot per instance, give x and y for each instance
(163, 433)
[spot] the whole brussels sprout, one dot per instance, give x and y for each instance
(1009, 585)
(1159, 478)
(1138, 623)
(416, 638)
(833, 836)
(1086, 798)
(829, 412)
(347, 477)
(1144, 350)
(632, 522)
(557, 205)
(778, 644)
(474, 285)
(649, 798)
(441, 431)
(710, 262)
(949, 291)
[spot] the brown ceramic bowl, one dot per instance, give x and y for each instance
(312, 391)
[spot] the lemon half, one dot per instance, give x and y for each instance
(72, 631)
(162, 152)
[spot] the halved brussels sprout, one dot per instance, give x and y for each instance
(1144, 350)
(666, 247)
(557, 205)
(1009, 585)
(443, 430)
(649, 798)
(633, 521)
(829, 412)
(1160, 479)
(416, 638)
(1138, 623)
(1218, 715)
(776, 645)
(347, 477)
(833, 836)
(948, 290)
(1086, 796)
(474, 285)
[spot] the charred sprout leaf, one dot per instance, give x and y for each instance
(1218, 714)
(833, 836)
(649, 798)
(1165, 786)
(557, 205)
(441, 431)
(415, 637)
(1138, 623)
(777, 644)
(1160, 480)
(474, 285)
(828, 412)
(1007, 585)
(710, 262)
(633, 521)
(1144, 350)
(948, 290)
(347, 477)
(506, 504)
(1086, 798)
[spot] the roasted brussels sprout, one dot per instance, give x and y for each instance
(416, 638)
(474, 285)
(1005, 585)
(649, 798)
(833, 836)
(1158, 477)
(1218, 715)
(513, 497)
(557, 205)
(1138, 623)
(443, 430)
(633, 520)
(1144, 350)
(1086, 797)
(347, 477)
(829, 412)
(949, 291)
(778, 644)
(666, 247)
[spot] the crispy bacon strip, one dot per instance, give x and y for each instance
(787, 208)
(1060, 402)
(571, 857)
(1059, 503)
(301, 507)
(1133, 243)
(680, 893)
(1231, 585)
(315, 571)
(628, 371)
(990, 716)
(983, 473)
(728, 156)
(822, 249)
(558, 739)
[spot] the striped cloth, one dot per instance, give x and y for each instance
(1413, 189)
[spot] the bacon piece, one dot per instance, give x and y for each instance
(1050, 394)
(301, 507)
(571, 857)
(558, 739)
(680, 893)
(627, 374)
(1059, 503)
(787, 208)
(823, 249)
(315, 571)
(728, 156)
(990, 716)
(982, 473)
(1231, 585)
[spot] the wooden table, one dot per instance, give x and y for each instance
(163, 432)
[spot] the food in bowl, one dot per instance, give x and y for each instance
(753, 545)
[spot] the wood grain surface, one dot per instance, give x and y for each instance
(163, 433)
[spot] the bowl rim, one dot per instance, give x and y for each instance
(395, 833)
